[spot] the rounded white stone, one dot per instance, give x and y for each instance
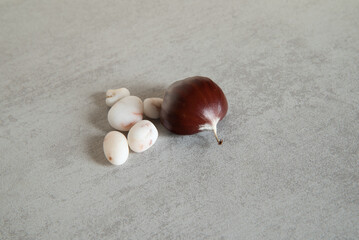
(114, 95)
(152, 107)
(142, 136)
(115, 147)
(125, 113)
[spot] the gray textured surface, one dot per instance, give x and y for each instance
(288, 168)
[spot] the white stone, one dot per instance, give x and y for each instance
(114, 95)
(125, 113)
(152, 107)
(142, 136)
(115, 147)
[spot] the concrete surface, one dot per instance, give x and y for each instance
(289, 165)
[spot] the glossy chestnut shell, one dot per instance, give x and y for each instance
(192, 105)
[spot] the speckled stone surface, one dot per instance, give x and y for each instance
(288, 168)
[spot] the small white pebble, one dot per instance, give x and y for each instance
(152, 107)
(125, 113)
(114, 95)
(142, 136)
(115, 147)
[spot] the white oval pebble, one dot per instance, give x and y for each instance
(142, 136)
(152, 107)
(114, 95)
(125, 113)
(115, 147)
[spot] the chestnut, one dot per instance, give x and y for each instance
(192, 105)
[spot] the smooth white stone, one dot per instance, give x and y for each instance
(114, 95)
(125, 113)
(152, 107)
(142, 136)
(115, 147)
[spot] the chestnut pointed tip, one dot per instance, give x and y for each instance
(219, 141)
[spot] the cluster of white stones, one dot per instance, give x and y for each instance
(126, 114)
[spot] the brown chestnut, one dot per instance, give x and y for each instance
(192, 105)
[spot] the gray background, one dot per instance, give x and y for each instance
(288, 168)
